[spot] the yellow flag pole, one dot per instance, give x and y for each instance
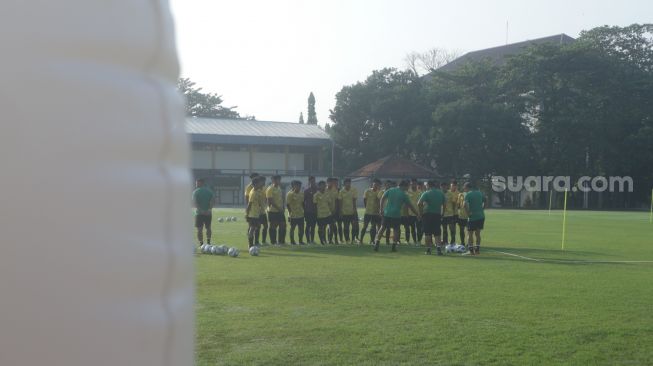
(650, 218)
(550, 200)
(564, 221)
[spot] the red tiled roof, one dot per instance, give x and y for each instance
(391, 166)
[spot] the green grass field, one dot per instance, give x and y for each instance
(347, 305)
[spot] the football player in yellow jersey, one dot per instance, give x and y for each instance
(310, 211)
(275, 211)
(324, 217)
(332, 194)
(419, 224)
(347, 205)
(264, 217)
(462, 215)
(453, 191)
(388, 184)
(409, 219)
(371, 202)
(448, 220)
(249, 187)
(295, 203)
(254, 209)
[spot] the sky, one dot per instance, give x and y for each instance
(266, 56)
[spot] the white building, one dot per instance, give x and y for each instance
(227, 151)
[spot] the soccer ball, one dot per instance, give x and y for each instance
(215, 249)
(254, 251)
(233, 252)
(459, 248)
(205, 248)
(223, 249)
(449, 248)
(221, 220)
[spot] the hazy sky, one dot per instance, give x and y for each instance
(266, 56)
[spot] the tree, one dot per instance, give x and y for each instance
(421, 63)
(588, 103)
(206, 105)
(301, 118)
(312, 117)
(473, 129)
(372, 119)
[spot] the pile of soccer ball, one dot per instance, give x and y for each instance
(223, 249)
(455, 248)
(228, 219)
(219, 250)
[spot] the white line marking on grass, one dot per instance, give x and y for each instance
(568, 261)
(516, 255)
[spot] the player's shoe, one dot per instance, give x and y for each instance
(428, 251)
(376, 246)
(439, 250)
(394, 247)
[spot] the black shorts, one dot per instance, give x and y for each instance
(475, 225)
(276, 217)
(448, 220)
(203, 221)
(325, 220)
(299, 221)
(254, 221)
(462, 222)
(310, 217)
(374, 219)
(263, 219)
(348, 218)
(391, 222)
(408, 220)
(432, 224)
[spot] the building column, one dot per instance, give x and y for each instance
(286, 151)
(320, 158)
(251, 158)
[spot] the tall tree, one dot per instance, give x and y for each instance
(208, 105)
(312, 116)
(372, 119)
(301, 118)
(421, 63)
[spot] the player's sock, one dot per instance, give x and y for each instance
(372, 234)
(265, 234)
(273, 236)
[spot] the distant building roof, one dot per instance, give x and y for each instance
(246, 132)
(499, 54)
(391, 167)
